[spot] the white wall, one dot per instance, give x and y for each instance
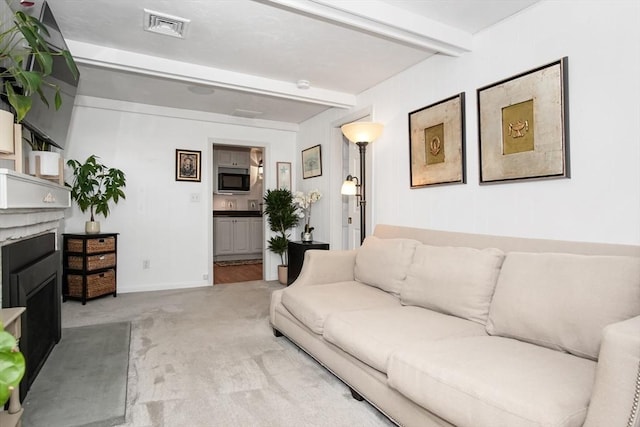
(158, 221)
(601, 201)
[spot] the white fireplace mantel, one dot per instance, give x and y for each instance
(29, 206)
(21, 191)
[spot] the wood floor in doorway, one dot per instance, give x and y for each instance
(236, 273)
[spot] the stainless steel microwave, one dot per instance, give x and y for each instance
(234, 182)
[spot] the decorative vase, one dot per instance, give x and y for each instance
(6, 132)
(283, 271)
(306, 236)
(92, 227)
(49, 163)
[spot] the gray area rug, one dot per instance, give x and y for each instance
(84, 381)
(207, 357)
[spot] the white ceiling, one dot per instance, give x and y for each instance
(253, 52)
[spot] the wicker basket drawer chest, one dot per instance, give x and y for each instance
(89, 266)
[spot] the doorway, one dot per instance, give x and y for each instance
(238, 225)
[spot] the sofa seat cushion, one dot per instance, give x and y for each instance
(494, 382)
(373, 335)
(311, 305)
(564, 301)
(383, 263)
(453, 280)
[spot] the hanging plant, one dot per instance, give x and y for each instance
(18, 43)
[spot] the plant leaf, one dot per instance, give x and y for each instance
(12, 365)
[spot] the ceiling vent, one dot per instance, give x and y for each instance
(246, 113)
(167, 25)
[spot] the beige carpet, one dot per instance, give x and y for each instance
(207, 357)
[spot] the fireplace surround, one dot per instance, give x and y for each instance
(31, 215)
(31, 277)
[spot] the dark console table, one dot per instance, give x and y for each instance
(296, 257)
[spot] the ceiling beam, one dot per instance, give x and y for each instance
(386, 21)
(115, 59)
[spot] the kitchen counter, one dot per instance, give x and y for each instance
(237, 213)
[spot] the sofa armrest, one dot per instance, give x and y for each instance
(617, 381)
(321, 267)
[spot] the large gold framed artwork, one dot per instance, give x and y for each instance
(523, 126)
(437, 143)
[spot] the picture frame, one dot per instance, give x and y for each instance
(188, 165)
(312, 162)
(283, 177)
(437, 153)
(523, 126)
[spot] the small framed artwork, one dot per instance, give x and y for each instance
(437, 143)
(311, 162)
(188, 165)
(283, 181)
(522, 127)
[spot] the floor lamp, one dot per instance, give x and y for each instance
(360, 133)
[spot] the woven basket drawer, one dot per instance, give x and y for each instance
(97, 284)
(99, 244)
(94, 262)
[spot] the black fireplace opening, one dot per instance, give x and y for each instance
(31, 278)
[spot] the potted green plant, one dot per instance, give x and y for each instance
(18, 42)
(12, 365)
(94, 187)
(41, 149)
(282, 216)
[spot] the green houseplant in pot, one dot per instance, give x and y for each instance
(48, 160)
(19, 41)
(282, 216)
(12, 365)
(94, 187)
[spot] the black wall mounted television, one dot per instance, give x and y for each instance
(46, 121)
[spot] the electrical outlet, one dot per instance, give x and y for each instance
(205, 276)
(146, 264)
(195, 197)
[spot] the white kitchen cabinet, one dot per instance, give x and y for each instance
(233, 158)
(223, 234)
(256, 234)
(237, 236)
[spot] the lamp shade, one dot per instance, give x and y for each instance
(362, 131)
(349, 188)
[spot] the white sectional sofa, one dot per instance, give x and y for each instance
(438, 328)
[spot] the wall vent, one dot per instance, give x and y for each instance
(168, 25)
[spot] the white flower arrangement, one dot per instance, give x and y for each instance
(303, 202)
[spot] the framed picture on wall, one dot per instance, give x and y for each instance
(188, 165)
(283, 178)
(523, 132)
(311, 162)
(437, 143)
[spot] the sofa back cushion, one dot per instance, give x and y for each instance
(456, 281)
(563, 301)
(383, 263)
